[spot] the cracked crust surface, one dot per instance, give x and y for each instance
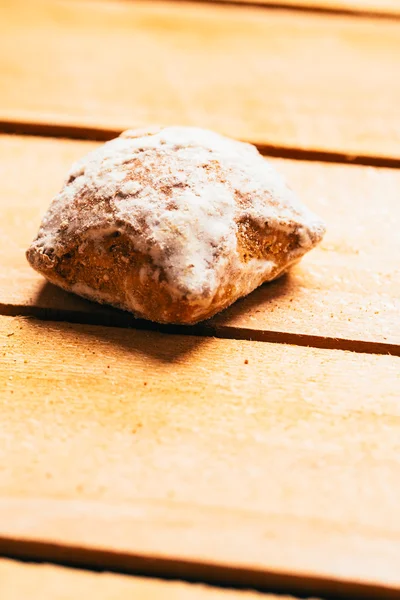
(172, 224)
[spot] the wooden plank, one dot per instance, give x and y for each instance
(251, 463)
(19, 581)
(299, 81)
(345, 292)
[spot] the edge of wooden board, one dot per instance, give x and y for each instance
(89, 553)
(109, 317)
(346, 8)
(37, 581)
(25, 125)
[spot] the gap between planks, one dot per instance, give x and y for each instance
(102, 134)
(39, 581)
(116, 318)
(347, 9)
(259, 584)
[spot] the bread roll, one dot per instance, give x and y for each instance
(173, 224)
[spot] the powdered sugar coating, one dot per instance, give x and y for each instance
(179, 194)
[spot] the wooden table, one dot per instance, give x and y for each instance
(261, 449)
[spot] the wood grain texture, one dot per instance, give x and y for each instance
(249, 461)
(344, 292)
(304, 81)
(19, 581)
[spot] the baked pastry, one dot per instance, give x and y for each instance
(173, 224)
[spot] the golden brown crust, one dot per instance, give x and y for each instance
(113, 267)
